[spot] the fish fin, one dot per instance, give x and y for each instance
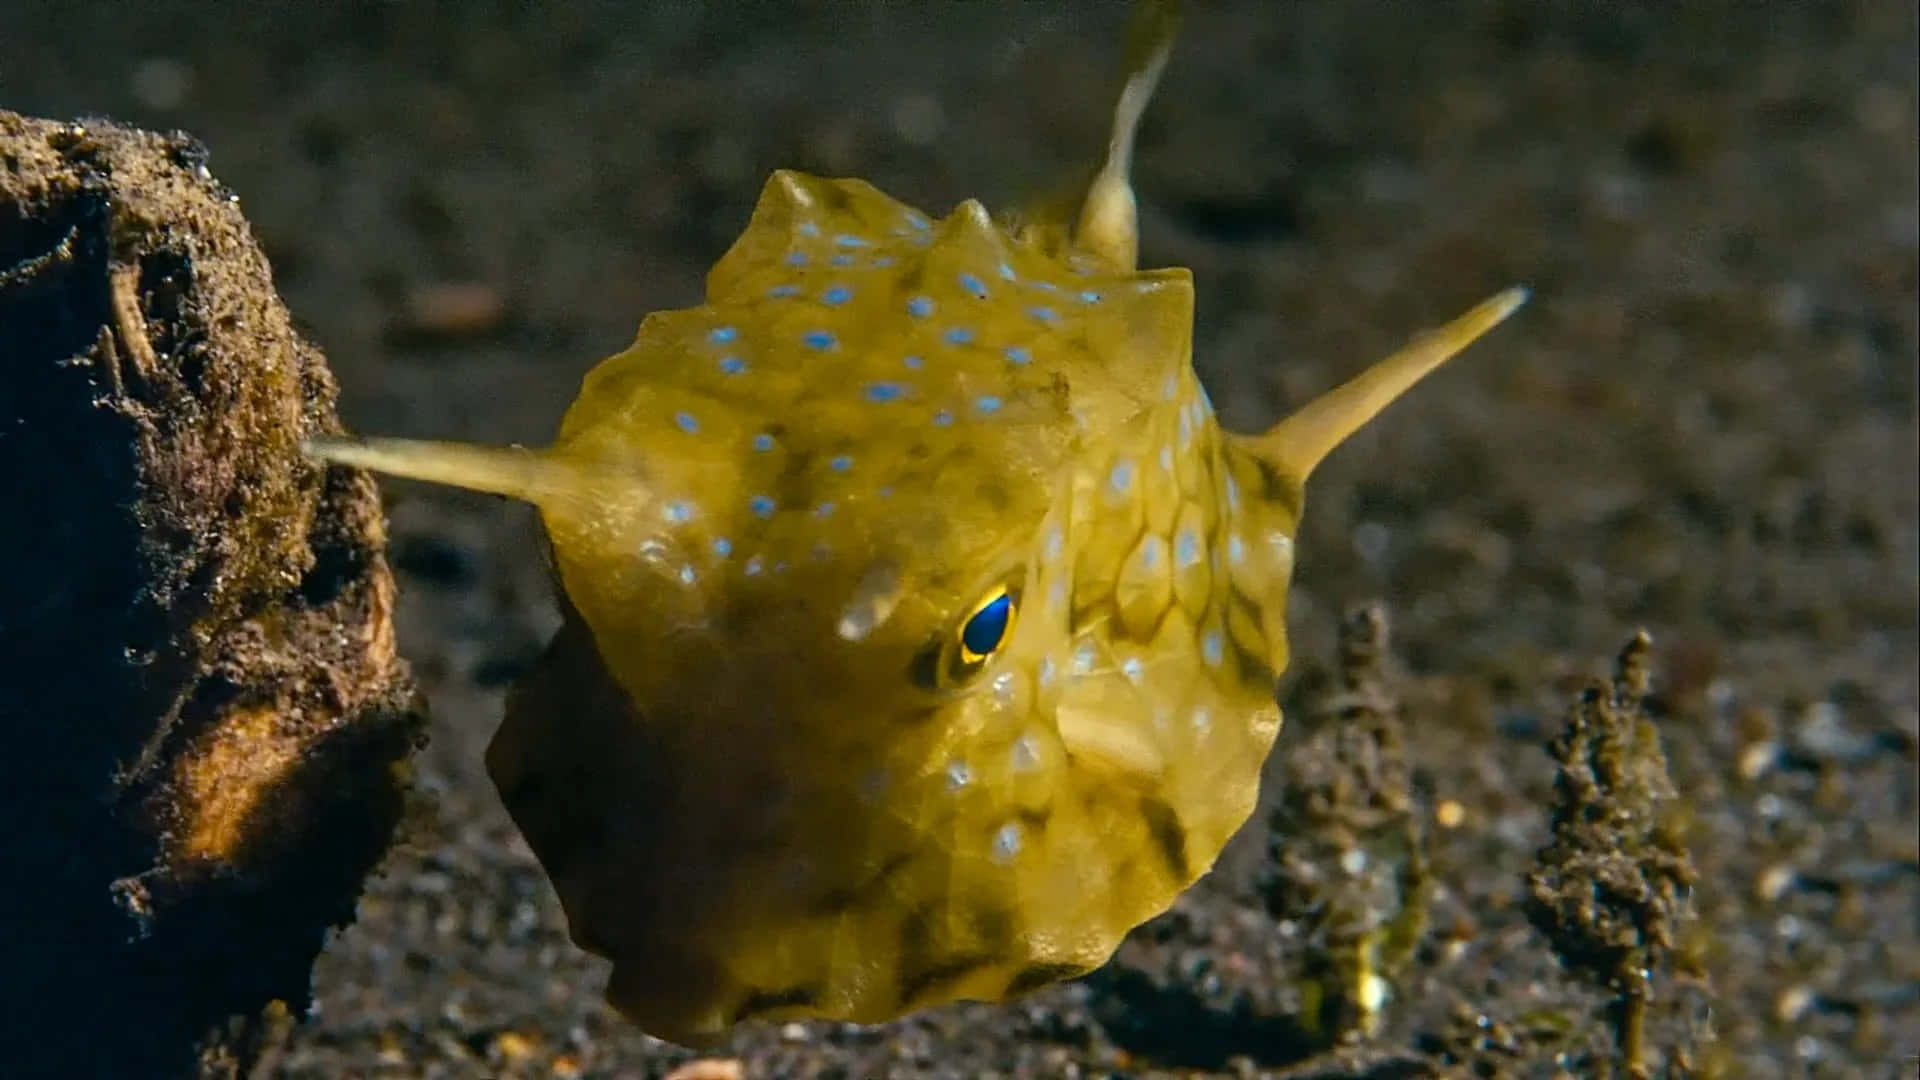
(1093, 207)
(1109, 223)
(1296, 446)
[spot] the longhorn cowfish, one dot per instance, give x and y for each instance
(922, 624)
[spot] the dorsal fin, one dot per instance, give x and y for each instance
(1093, 209)
(1109, 216)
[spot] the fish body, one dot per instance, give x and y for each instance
(922, 623)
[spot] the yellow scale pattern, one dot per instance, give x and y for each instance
(764, 776)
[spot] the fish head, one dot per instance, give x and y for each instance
(814, 482)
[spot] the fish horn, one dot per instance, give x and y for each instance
(535, 476)
(1299, 443)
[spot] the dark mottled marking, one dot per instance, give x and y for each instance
(761, 1002)
(796, 473)
(840, 900)
(1062, 393)
(1038, 976)
(1281, 488)
(994, 494)
(1252, 667)
(1169, 837)
(993, 928)
(925, 968)
(916, 983)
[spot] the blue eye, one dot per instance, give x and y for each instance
(986, 630)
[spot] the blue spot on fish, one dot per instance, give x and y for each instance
(920, 307)
(781, 292)
(885, 391)
(958, 335)
(1018, 354)
(761, 505)
(1150, 552)
(987, 403)
(808, 228)
(723, 547)
(841, 260)
(685, 422)
(1043, 313)
(818, 340)
(837, 295)
(942, 418)
(974, 285)
(678, 512)
(796, 258)
(913, 362)
(1211, 648)
(841, 463)
(881, 262)
(1006, 272)
(763, 442)
(1121, 478)
(733, 365)
(825, 509)
(721, 335)
(1089, 296)
(1083, 658)
(848, 240)
(754, 566)
(1187, 548)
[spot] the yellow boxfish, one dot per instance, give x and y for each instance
(922, 625)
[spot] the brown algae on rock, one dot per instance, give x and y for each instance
(1611, 890)
(204, 721)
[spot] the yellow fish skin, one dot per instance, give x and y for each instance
(922, 624)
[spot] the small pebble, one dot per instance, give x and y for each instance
(512, 1046)
(708, 1069)
(451, 311)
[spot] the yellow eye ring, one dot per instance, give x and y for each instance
(987, 627)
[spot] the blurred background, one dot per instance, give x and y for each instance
(1704, 424)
